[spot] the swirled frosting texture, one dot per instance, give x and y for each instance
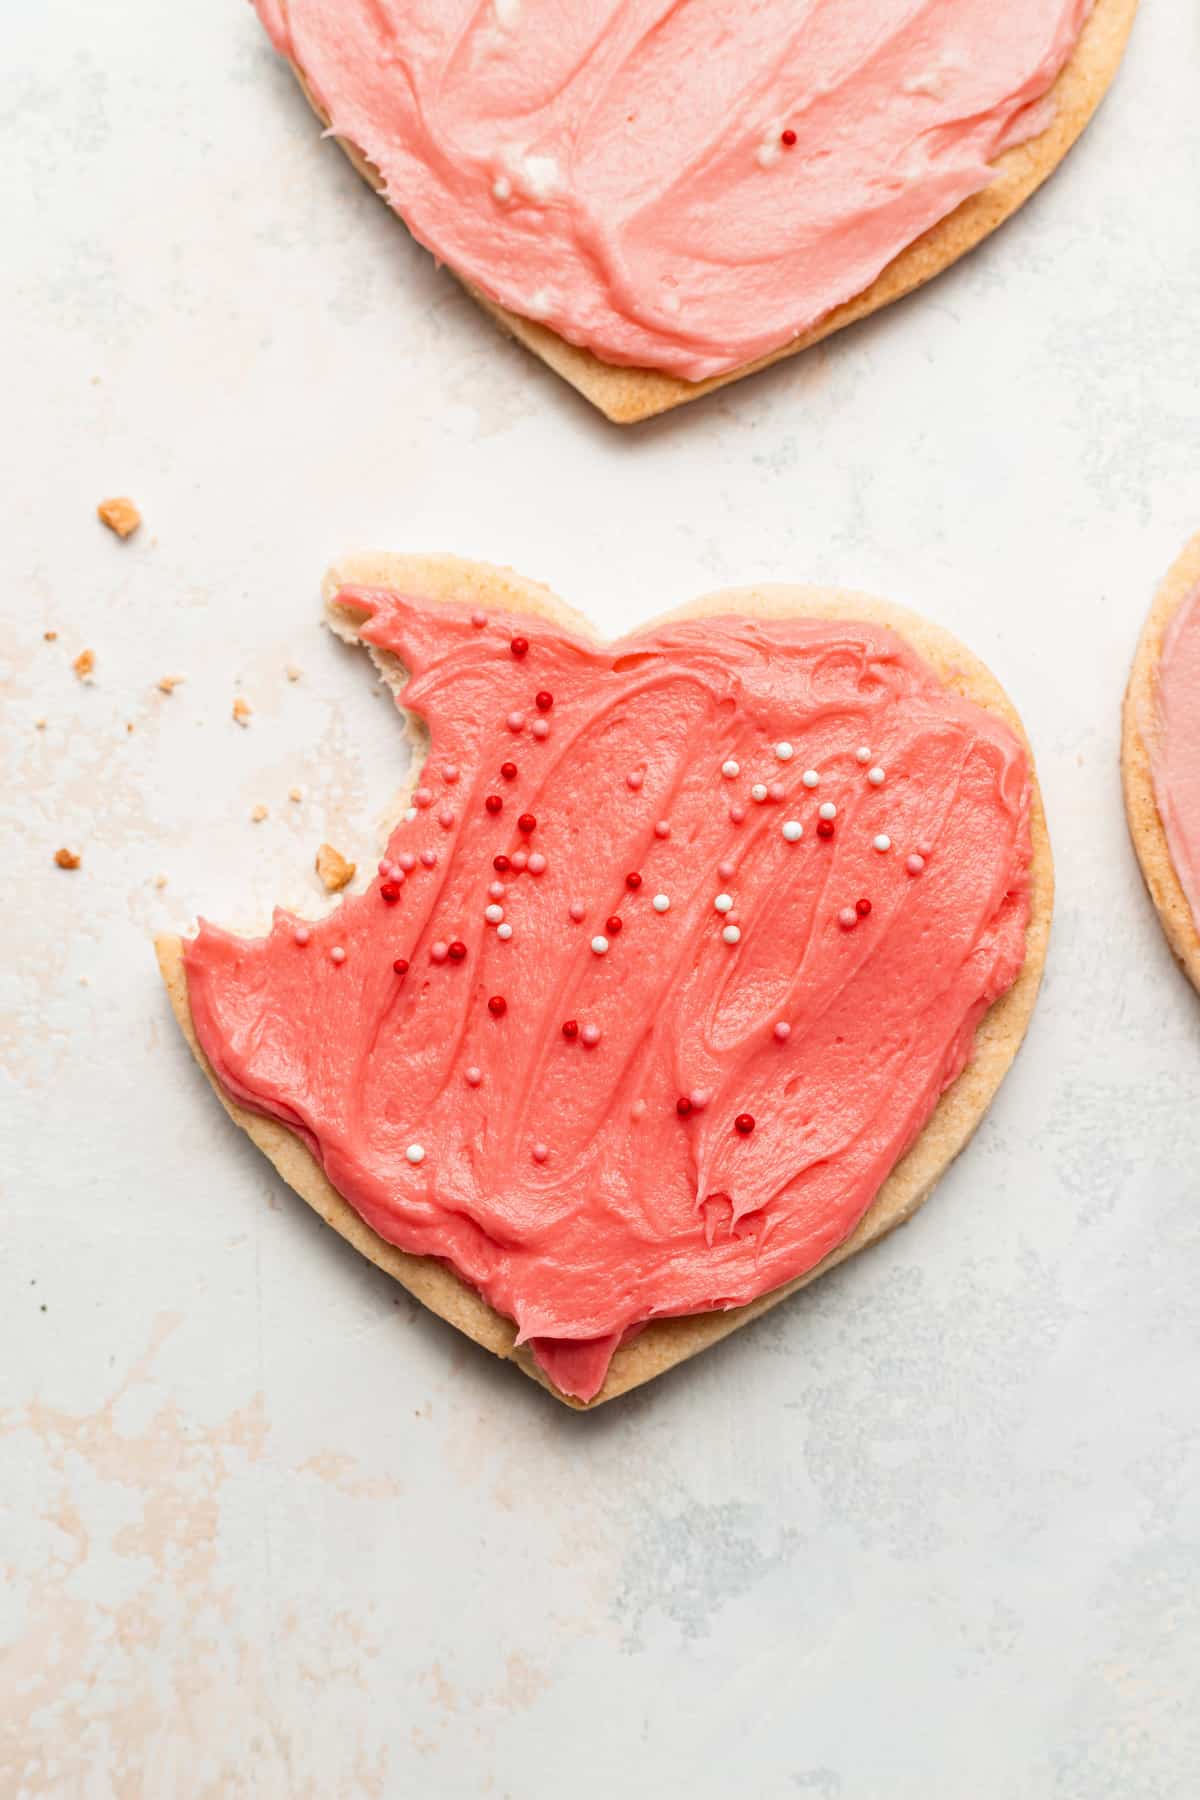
(618, 170)
(637, 1212)
(1175, 753)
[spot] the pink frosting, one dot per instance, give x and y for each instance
(821, 976)
(1176, 749)
(618, 169)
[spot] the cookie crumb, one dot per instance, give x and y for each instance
(120, 515)
(259, 814)
(50, 636)
(66, 859)
(292, 672)
(168, 683)
(39, 724)
(295, 793)
(242, 710)
(160, 881)
(333, 868)
(84, 664)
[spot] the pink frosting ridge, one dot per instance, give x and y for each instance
(1175, 754)
(765, 870)
(619, 170)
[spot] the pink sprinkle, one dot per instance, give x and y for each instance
(539, 1153)
(638, 1110)
(385, 869)
(726, 870)
(737, 814)
(337, 954)
(439, 951)
(520, 860)
(450, 773)
(663, 829)
(537, 863)
(423, 797)
(540, 728)
(429, 858)
(847, 918)
(590, 1035)
(777, 790)
(301, 935)
(699, 1098)
(445, 818)
(783, 1032)
(634, 779)
(515, 721)
(924, 848)
(407, 860)
(473, 1076)
(576, 911)
(496, 890)
(478, 619)
(915, 863)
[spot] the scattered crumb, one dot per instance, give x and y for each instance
(49, 636)
(120, 515)
(295, 793)
(259, 814)
(333, 868)
(293, 673)
(160, 881)
(242, 710)
(129, 725)
(168, 683)
(39, 724)
(84, 663)
(66, 859)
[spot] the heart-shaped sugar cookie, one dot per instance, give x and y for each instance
(659, 199)
(690, 965)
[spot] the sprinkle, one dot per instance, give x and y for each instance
(847, 918)
(473, 1076)
(787, 137)
(600, 945)
(509, 771)
(337, 954)
(634, 779)
(862, 754)
(732, 934)
(415, 1153)
(810, 778)
(504, 932)
(783, 1032)
(683, 1106)
(914, 863)
(410, 814)
(519, 647)
(876, 776)
(493, 804)
(438, 952)
(590, 1034)
(445, 818)
(726, 870)
(540, 728)
(737, 814)
(479, 619)
(423, 797)
(502, 188)
(386, 868)
(882, 842)
(758, 792)
(862, 908)
(576, 911)
(537, 863)
(744, 1124)
(570, 1030)
(539, 1153)
(633, 881)
(496, 890)
(776, 790)
(450, 773)
(401, 965)
(793, 830)
(663, 829)
(661, 902)
(407, 861)
(497, 1006)
(301, 935)
(493, 914)
(827, 810)
(501, 864)
(389, 891)
(428, 858)
(825, 828)
(784, 751)
(925, 848)
(699, 1098)
(723, 903)
(526, 823)
(543, 700)
(613, 924)
(515, 721)
(731, 769)
(520, 861)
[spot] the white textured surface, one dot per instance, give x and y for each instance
(930, 1530)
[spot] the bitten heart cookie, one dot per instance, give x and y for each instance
(691, 963)
(658, 200)
(1160, 756)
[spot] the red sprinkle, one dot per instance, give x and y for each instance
(493, 803)
(519, 646)
(613, 925)
(527, 823)
(389, 891)
(570, 1029)
(456, 951)
(683, 1106)
(544, 701)
(825, 828)
(633, 881)
(509, 771)
(497, 1006)
(401, 965)
(788, 137)
(744, 1124)
(501, 864)
(862, 908)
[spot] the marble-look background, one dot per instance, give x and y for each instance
(928, 1531)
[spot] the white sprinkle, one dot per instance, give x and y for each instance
(337, 954)
(784, 751)
(723, 903)
(730, 769)
(600, 945)
(758, 792)
(504, 932)
(726, 870)
(810, 778)
(502, 188)
(493, 914)
(914, 864)
(301, 935)
(862, 754)
(876, 776)
(515, 721)
(520, 860)
(882, 842)
(777, 790)
(439, 951)
(590, 1035)
(827, 810)
(662, 829)
(699, 1098)
(410, 813)
(540, 728)
(783, 1032)
(473, 1076)
(793, 831)
(496, 890)
(661, 902)
(539, 1153)
(637, 1111)
(479, 619)
(731, 934)
(847, 918)
(537, 863)
(415, 1153)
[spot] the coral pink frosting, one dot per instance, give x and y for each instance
(1176, 752)
(559, 1176)
(618, 169)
